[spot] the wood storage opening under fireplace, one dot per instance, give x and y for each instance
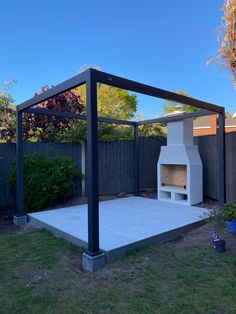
(174, 176)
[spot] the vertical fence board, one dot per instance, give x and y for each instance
(7, 156)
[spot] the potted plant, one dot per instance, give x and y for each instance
(228, 214)
(218, 244)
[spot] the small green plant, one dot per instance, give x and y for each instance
(217, 218)
(228, 212)
(47, 181)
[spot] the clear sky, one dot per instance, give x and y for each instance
(165, 43)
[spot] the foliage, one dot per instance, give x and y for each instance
(217, 218)
(47, 181)
(228, 212)
(150, 130)
(7, 113)
(172, 107)
(113, 132)
(49, 128)
(226, 56)
(112, 102)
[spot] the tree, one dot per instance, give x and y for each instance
(150, 130)
(112, 102)
(172, 107)
(226, 56)
(7, 113)
(40, 127)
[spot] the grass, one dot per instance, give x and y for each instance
(41, 274)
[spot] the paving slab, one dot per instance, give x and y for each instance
(125, 223)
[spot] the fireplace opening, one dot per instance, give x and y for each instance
(173, 176)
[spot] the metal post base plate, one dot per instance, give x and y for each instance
(20, 220)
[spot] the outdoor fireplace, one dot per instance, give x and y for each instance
(179, 166)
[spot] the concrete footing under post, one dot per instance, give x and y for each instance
(20, 220)
(93, 263)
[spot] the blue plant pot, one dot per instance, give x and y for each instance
(230, 226)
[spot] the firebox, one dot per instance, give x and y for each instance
(174, 176)
(179, 168)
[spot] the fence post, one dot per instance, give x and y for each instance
(136, 161)
(83, 166)
(221, 148)
(20, 218)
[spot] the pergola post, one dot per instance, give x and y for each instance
(221, 149)
(136, 161)
(93, 259)
(20, 218)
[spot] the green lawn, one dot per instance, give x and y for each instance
(41, 274)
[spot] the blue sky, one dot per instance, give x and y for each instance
(161, 43)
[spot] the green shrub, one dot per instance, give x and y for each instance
(228, 212)
(47, 181)
(217, 217)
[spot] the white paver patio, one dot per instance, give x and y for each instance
(125, 223)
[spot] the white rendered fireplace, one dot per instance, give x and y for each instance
(179, 168)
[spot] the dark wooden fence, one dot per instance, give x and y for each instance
(116, 164)
(116, 167)
(208, 149)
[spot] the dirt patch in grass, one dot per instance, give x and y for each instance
(202, 237)
(6, 220)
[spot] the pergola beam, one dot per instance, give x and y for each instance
(133, 86)
(73, 82)
(178, 117)
(120, 82)
(69, 115)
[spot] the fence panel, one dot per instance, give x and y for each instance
(208, 149)
(116, 167)
(149, 151)
(230, 149)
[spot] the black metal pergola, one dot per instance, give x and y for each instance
(91, 77)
